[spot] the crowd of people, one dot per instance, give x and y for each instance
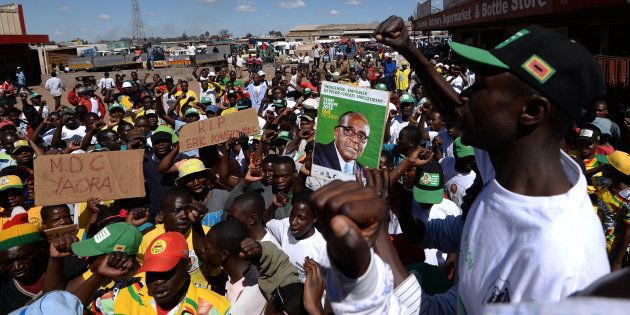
(503, 178)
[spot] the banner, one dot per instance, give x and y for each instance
(220, 129)
(71, 178)
(483, 11)
(350, 126)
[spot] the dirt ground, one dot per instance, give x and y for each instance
(69, 80)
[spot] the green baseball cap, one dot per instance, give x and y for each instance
(406, 98)
(67, 110)
(381, 86)
(284, 135)
(34, 95)
(307, 91)
(429, 184)
(116, 237)
(191, 111)
(116, 106)
(205, 100)
(280, 103)
(560, 69)
(164, 131)
(462, 150)
(243, 103)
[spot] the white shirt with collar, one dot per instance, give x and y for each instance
(342, 163)
(55, 86)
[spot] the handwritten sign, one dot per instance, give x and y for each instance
(220, 129)
(70, 178)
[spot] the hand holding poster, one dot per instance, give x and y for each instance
(350, 128)
(220, 129)
(70, 178)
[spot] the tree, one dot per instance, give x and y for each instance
(275, 33)
(184, 36)
(249, 35)
(224, 34)
(207, 34)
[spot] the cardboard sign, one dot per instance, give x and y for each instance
(70, 178)
(350, 126)
(220, 129)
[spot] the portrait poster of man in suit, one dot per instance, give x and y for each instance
(349, 131)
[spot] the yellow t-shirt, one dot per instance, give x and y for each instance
(615, 211)
(183, 101)
(402, 79)
(195, 270)
(135, 299)
(229, 111)
(34, 217)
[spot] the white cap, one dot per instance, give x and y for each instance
(261, 73)
(168, 77)
(386, 54)
(212, 74)
(436, 56)
(310, 103)
(127, 84)
(202, 78)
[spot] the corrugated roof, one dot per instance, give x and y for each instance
(306, 27)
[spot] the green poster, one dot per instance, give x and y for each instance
(350, 125)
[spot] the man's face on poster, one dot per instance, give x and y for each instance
(351, 137)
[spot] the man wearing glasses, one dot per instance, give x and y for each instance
(351, 136)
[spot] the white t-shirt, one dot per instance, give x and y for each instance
(192, 50)
(447, 141)
(364, 83)
(462, 181)
(438, 211)
(370, 293)
(94, 109)
(395, 126)
(45, 112)
(313, 247)
(457, 84)
(67, 135)
(106, 83)
(55, 86)
(517, 248)
(210, 92)
(240, 61)
(244, 295)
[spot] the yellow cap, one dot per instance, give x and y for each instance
(10, 181)
(618, 159)
(20, 144)
(192, 166)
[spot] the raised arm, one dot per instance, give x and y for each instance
(392, 32)
(167, 164)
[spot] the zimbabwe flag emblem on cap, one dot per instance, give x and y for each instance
(538, 68)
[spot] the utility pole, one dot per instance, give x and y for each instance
(137, 28)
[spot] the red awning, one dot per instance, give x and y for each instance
(23, 39)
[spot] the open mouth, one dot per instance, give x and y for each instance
(161, 293)
(197, 189)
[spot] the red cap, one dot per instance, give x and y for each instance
(6, 123)
(164, 252)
